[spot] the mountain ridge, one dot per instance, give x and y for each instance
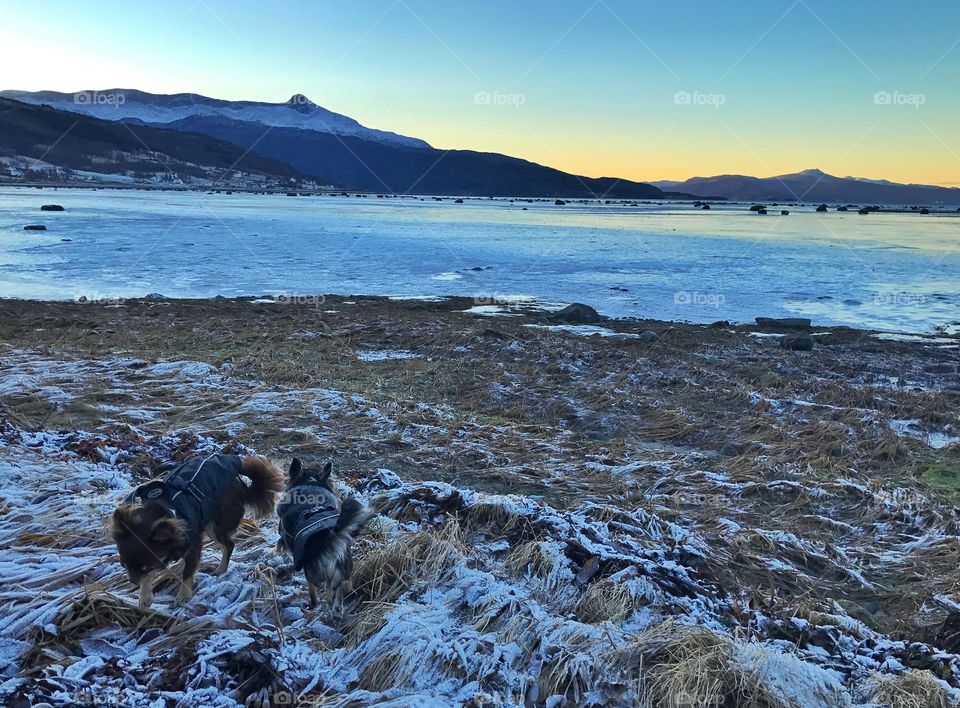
(814, 185)
(297, 112)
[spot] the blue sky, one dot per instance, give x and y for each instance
(595, 87)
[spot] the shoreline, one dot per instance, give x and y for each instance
(535, 308)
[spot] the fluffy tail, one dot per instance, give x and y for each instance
(353, 517)
(266, 483)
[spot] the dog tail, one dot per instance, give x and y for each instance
(353, 517)
(266, 483)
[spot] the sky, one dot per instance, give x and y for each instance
(628, 88)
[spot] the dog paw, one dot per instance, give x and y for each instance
(183, 596)
(144, 603)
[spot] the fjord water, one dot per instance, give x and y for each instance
(896, 272)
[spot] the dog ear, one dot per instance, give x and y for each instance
(166, 531)
(326, 471)
(296, 468)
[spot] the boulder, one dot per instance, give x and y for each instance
(578, 313)
(458, 201)
(758, 207)
(924, 211)
(560, 202)
(801, 324)
(843, 208)
(784, 212)
(797, 342)
(822, 208)
(648, 337)
(51, 207)
(762, 212)
(864, 211)
(34, 227)
(705, 206)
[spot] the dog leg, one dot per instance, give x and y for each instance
(191, 562)
(280, 548)
(227, 547)
(313, 595)
(146, 592)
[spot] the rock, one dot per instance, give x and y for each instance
(797, 323)
(155, 296)
(578, 313)
(35, 227)
(758, 207)
(648, 337)
(762, 212)
(458, 201)
(51, 207)
(924, 211)
(560, 202)
(822, 208)
(843, 208)
(705, 206)
(797, 342)
(864, 211)
(784, 212)
(721, 324)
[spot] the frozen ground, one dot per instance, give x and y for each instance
(896, 272)
(564, 520)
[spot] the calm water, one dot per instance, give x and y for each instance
(899, 272)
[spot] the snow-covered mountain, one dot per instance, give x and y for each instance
(815, 186)
(158, 109)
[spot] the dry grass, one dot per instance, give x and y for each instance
(913, 689)
(679, 666)
(606, 601)
(371, 618)
(542, 559)
(384, 573)
(569, 667)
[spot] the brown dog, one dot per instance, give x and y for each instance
(165, 520)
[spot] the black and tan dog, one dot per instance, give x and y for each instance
(318, 529)
(165, 520)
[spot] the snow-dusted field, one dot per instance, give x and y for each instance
(898, 272)
(558, 522)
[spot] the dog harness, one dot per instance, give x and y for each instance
(193, 490)
(306, 512)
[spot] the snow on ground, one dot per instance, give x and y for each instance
(464, 596)
(386, 355)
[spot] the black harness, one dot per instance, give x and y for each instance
(307, 513)
(193, 490)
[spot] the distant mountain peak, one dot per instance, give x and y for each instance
(814, 172)
(301, 103)
(160, 109)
